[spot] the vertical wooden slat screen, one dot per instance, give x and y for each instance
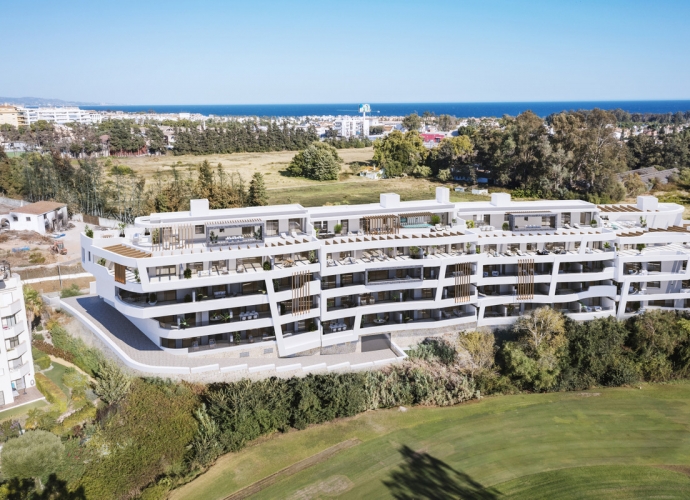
(377, 223)
(301, 297)
(120, 275)
(463, 272)
(173, 237)
(525, 285)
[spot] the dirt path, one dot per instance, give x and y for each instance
(71, 365)
(322, 456)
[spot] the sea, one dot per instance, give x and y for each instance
(458, 109)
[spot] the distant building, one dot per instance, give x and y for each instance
(42, 217)
(10, 115)
(432, 140)
(60, 115)
(372, 173)
(351, 126)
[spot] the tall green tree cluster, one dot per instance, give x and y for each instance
(239, 137)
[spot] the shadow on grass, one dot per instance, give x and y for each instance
(423, 476)
(53, 489)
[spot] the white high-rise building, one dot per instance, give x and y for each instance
(16, 362)
(351, 126)
(301, 279)
(60, 115)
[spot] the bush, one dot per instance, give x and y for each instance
(146, 435)
(70, 291)
(187, 274)
(9, 429)
(337, 229)
(84, 414)
(319, 161)
(43, 362)
(88, 231)
(86, 358)
(432, 349)
(112, 383)
(267, 266)
(50, 390)
(54, 351)
(35, 454)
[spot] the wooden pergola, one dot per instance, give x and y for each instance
(381, 224)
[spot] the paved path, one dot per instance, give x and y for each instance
(137, 346)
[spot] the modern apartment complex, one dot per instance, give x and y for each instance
(16, 362)
(310, 278)
(12, 115)
(352, 126)
(62, 115)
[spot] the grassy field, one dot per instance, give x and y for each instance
(349, 190)
(613, 443)
(56, 375)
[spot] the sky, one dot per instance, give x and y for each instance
(303, 51)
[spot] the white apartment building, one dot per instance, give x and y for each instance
(61, 115)
(309, 278)
(16, 363)
(351, 126)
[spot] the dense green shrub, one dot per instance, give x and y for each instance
(43, 362)
(35, 455)
(51, 349)
(50, 390)
(112, 384)
(84, 414)
(434, 349)
(86, 358)
(9, 429)
(71, 291)
(143, 437)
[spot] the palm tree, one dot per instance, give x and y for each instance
(33, 303)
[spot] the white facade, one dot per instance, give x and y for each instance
(60, 115)
(42, 217)
(16, 363)
(351, 126)
(210, 278)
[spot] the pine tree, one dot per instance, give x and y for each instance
(257, 191)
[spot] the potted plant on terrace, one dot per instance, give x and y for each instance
(153, 299)
(414, 252)
(187, 274)
(237, 337)
(267, 266)
(338, 228)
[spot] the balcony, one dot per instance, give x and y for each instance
(216, 318)
(14, 330)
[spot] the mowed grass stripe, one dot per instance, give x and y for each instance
(488, 443)
(610, 482)
(293, 469)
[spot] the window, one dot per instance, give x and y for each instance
(321, 225)
(199, 229)
(295, 224)
(271, 227)
(654, 284)
(15, 218)
(12, 343)
(345, 224)
(9, 321)
(487, 218)
(28, 219)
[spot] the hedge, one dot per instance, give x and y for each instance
(50, 390)
(54, 351)
(87, 413)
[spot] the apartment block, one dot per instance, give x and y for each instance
(61, 115)
(305, 279)
(16, 362)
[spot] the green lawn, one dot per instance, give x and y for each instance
(56, 375)
(21, 410)
(613, 443)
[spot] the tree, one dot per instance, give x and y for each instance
(33, 303)
(452, 153)
(399, 153)
(36, 454)
(257, 191)
(112, 384)
(634, 185)
(480, 347)
(446, 122)
(412, 122)
(319, 161)
(534, 360)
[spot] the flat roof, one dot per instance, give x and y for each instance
(39, 208)
(223, 214)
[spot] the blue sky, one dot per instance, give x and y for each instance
(254, 51)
